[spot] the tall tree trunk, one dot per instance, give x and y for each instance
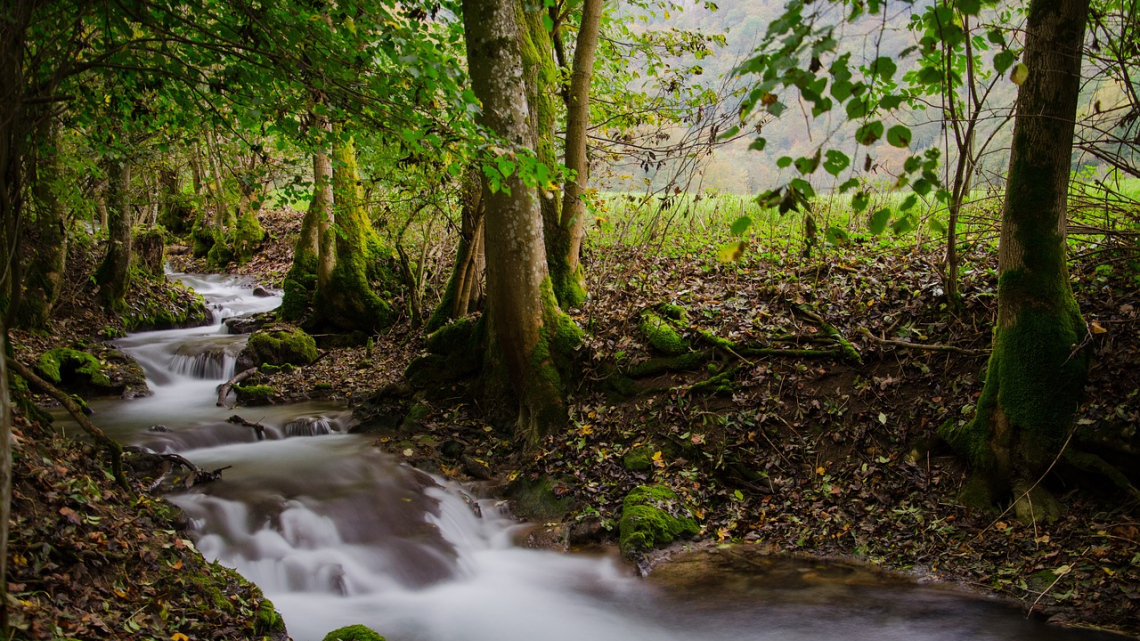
(44, 276)
(14, 127)
(301, 282)
(347, 302)
(114, 273)
(527, 333)
(464, 290)
(565, 267)
(1038, 367)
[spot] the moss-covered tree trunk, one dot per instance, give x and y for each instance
(44, 276)
(527, 333)
(569, 279)
(347, 301)
(114, 273)
(1037, 370)
(464, 291)
(301, 281)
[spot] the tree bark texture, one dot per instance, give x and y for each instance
(1038, 367)
(314, 254)
(464, 291)
(347, 301)
(48, 259)
(114, 273)
(525, 328)
(569, 279)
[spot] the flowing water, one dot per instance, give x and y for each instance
(336, 533)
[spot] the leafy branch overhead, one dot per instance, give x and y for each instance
(806, 59)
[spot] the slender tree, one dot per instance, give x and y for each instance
(565, 263)
(1039, 365)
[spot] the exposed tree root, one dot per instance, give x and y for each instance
(196, 476)
(932, 347)
(845, 347)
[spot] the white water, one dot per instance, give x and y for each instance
(337, 533)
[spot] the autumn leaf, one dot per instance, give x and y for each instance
(1096, 328)
(69, 514)
(732, 252)
(178, 636)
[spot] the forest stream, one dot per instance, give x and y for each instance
(337, 532)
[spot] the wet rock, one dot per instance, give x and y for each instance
(451, 449)
(535, 500)
(588, 531)
(554, 537)
(250, 323)
(477, 468)
(261, 292)
(158, 428)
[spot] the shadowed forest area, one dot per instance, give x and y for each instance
(855, 284)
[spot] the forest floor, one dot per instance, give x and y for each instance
(820, 456)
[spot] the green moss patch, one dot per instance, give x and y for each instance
(353, 633)
(661, 334)
(653, 516)
(64, 362)
(282, 347)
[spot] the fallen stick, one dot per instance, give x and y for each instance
(929, 347)
(257, 427)
(197, 475)
(224, 389)
(79, 416)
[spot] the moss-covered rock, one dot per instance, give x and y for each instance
(662, 335)
(97, 371)
(72, 364)
(653, 516)
(291, 346)
(535, 500)
(353, 633)
(638, 459)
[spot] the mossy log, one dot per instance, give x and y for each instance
(652, 516)
(845, 347)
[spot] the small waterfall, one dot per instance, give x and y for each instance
(308, 426)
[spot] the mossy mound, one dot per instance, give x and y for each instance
(653, 516)
(536, 500)
(98, 371)
(638, 459)
(291, 346)
(661, 334)
(451, 338)
(353, 633)
(254, 394)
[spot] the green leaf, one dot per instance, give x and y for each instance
(1004, 60)
(904, 224)
(970, 7)
(899, 136)
(758, 144)
(909, 203)
(784, 162)
(937, 226)
(548, 23)
(836, 162)
(848, 185)
(879, 221)
(835, 236)
(869, 133)
(884, 67)
(741, 225)
(860, 201)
